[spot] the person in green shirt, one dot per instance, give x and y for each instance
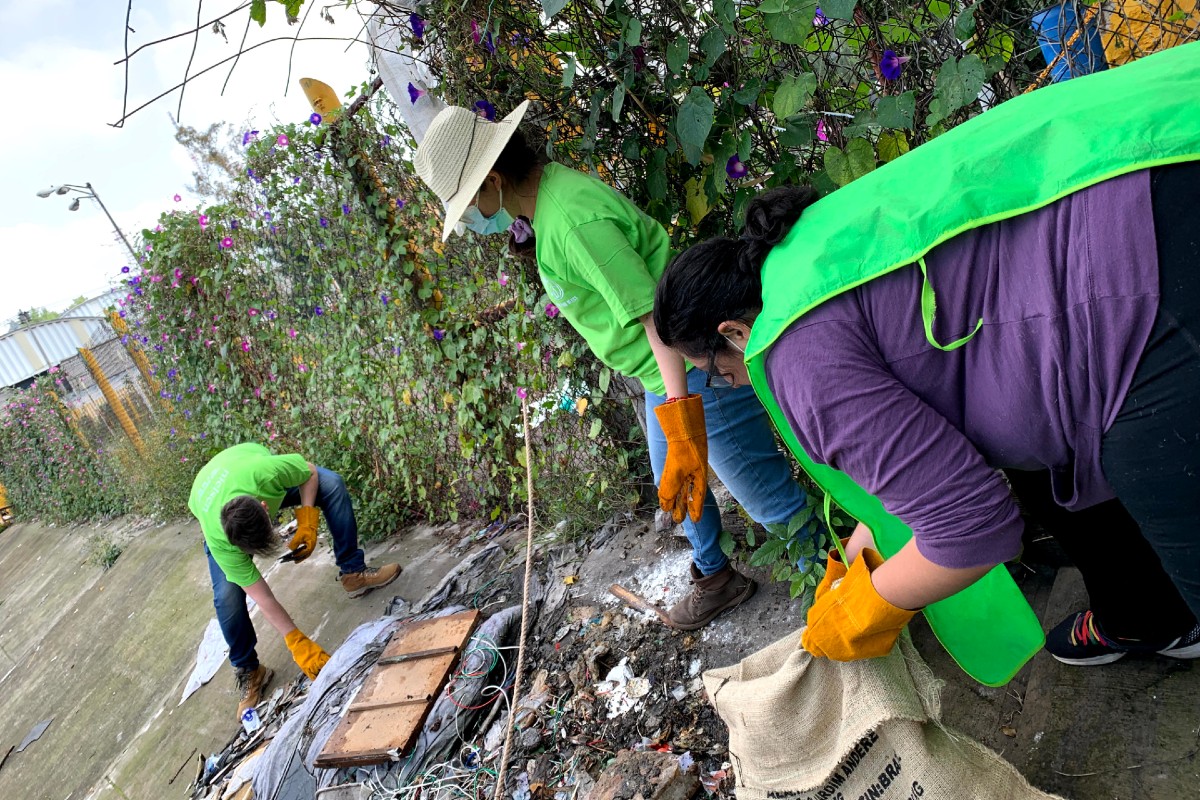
(235, 497)
(599, 258)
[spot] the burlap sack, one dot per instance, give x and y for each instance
(804, 728)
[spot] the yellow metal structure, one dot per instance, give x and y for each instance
(114, 401)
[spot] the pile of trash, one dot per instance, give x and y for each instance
(599, 680)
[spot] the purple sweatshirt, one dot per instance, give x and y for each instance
(1067, 294)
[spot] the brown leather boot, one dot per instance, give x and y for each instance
(359, 583)
(252, 682)
(711, 595)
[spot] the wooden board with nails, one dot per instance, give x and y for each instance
(387, 713)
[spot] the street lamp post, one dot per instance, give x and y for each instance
(87, 191)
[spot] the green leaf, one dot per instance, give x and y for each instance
(727, 543)
(292, 7)
(552, 7)
(712, 44)
(793, 25)
(769, 551)
(656, 187)
(964, 24)
(569, 72)
(796, 133)
(959, 82)
(605, 375)
(837, 166)
(633, 31)
(771, 6)
(677, 54)
(725, 12)
(594, 430)
(896, 111)
(839, 9)
(798, 585)
(793, 93)
(618, 100)
(693, 123)
(748, 93)
(258, 11)
(891, 145)
(750, 539)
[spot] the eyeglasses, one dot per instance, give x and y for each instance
(716, 380)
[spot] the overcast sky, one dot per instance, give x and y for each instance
(56, 68)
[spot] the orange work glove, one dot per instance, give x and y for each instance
(307, 654)
(835, 570)
(307, 518)
(851, 621)
(685, 474)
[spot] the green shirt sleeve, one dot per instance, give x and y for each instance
(606, 260)
(276, 474)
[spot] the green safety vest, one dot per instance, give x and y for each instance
(1022, 155)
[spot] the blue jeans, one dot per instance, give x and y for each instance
(229, 599)
(743, 453)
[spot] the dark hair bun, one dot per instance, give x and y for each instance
(769, 218)
(770, 215)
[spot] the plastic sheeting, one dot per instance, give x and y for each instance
(285, 771)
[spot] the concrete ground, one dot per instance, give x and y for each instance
(107, 653)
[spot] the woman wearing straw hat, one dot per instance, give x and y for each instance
(599, 258)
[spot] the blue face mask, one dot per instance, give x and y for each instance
(499, 222)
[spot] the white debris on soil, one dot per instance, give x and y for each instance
(209, 658)
(663, 582)
(622, 689)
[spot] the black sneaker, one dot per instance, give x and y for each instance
(1078, 640)
(1185, 647)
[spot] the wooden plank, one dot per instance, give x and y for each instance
(397, 694)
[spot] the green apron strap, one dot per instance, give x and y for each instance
(829, 527)
(929, 308)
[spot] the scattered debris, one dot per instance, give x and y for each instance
(34, 734)
(646, 776)
(209, 657)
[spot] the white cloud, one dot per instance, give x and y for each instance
(58, 59)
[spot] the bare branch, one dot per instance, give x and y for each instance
(188, 68)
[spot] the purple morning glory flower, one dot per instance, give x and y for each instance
(345, 209)
(520, 230)
(890, 64)
(324, 222)
(489, 43)
(124, 269)
(314, 118)
(734, 168)
(486, 110)
(418, 27)
(639, 58)
(475, 31)
(171, 373)
(819, 18)
(247, 136)
(387, 140)
(438, 334)
(414, 94)
(318, 311)
(384, 298)
(233, 224)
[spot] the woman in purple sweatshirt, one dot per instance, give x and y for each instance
(1083, 384)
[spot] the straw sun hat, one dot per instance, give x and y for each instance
(458, 151)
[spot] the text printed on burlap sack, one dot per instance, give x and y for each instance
(835, 789)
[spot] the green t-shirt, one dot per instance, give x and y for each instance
(242, 469)
(600, 258)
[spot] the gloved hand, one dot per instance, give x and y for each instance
(835, 570)
(685, 475)
(307, 518)
(307, 654)
(850, 621)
